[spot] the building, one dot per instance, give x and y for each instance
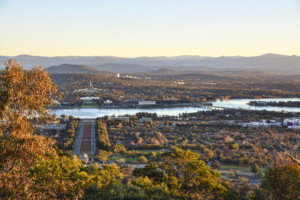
(119, 118)
(90, 89)
(146, 103)
(291, 122)
(107, 102)
(263, 123)
(147, 120)
(84, 158)
(89, 98)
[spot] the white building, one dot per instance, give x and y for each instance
(146, 103)
(84, 158)
(89, 98)
(263, 123)
(291, 122)
(107, 102)
(90, 89)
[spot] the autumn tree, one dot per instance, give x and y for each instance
(187, 176)
(282, 179)
(141, 188)
(101, 180)
(254, 168)
(151, 171)
(279, 146)
(242, 190)
(58, 178)
(25, 95)
(142, 159)
(103, 155)
(215, 164)
(102, 135)
(119, 149)
(282, 182)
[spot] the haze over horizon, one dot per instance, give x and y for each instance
(149, 28)
(145, 56)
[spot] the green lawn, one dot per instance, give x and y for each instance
(227, 170)
(235, 168)
(128, 159)
(150, 151)
(89, 105)
(239, 168)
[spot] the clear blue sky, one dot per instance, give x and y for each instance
(132, 28)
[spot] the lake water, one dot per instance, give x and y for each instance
(242, 104)
(85, 113)
(234, 103)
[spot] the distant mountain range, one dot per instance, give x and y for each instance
(268, 62)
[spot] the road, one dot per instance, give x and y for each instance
(86, 141)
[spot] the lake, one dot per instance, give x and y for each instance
(85, 113)
(242, 104)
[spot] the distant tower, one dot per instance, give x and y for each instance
(118, 75)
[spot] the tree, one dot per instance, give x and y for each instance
(150, 171)
(119, 149)
(101, 181)
(102, 135)
(209, 153)
(187, 176)
(279, 147)
(142, 159)
(68, 136)
(234, 146)
(154, 154)
(241, 190)
(25, 95)
(282, 182)
(215, 164)
(141, 188)
(58, 178)
(254, 168)
(103, 155)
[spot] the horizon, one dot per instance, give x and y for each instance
(153, 29)
(187, 55)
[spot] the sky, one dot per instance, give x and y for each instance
(134, 28)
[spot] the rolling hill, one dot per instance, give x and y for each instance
(71, 69)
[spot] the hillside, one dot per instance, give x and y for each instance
(70, 69)
(123, 68)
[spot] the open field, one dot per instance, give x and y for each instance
(89, 105)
